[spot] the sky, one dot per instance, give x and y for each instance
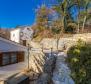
(19, 12)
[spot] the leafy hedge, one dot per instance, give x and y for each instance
(79, 61)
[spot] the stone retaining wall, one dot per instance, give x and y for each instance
(69, 41)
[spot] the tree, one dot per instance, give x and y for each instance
(57, 29)
(78, 16)
(42, 20)
(82, 7)
(63, 8)
(85, 12)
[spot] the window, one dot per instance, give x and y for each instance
(13, 58)
(6, 59)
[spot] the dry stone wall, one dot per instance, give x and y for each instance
(52, 43)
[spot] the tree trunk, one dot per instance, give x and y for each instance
(84, 21)
(78, 19)
(57, 41)
(78, 27)
(63, 23)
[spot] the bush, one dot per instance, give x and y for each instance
(79, 61)
(71, 28)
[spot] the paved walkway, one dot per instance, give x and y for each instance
(61, 74)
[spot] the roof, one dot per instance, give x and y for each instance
(10, 46)
(14, 29)
(20, 27)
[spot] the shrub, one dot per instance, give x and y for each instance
(79, 61)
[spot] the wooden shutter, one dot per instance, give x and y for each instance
(1, 59)
(20, 56)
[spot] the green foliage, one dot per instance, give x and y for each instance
(71, 28)
(64, 10)
(56, 27)
(79, 61)
(65, 21)
(42, 22)
(42, 18)
(56, 31)
(80, 43)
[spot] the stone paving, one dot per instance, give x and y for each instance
(61, 74)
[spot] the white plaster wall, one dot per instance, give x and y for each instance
(15, 35)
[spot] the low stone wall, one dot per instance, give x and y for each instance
(17, 79)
